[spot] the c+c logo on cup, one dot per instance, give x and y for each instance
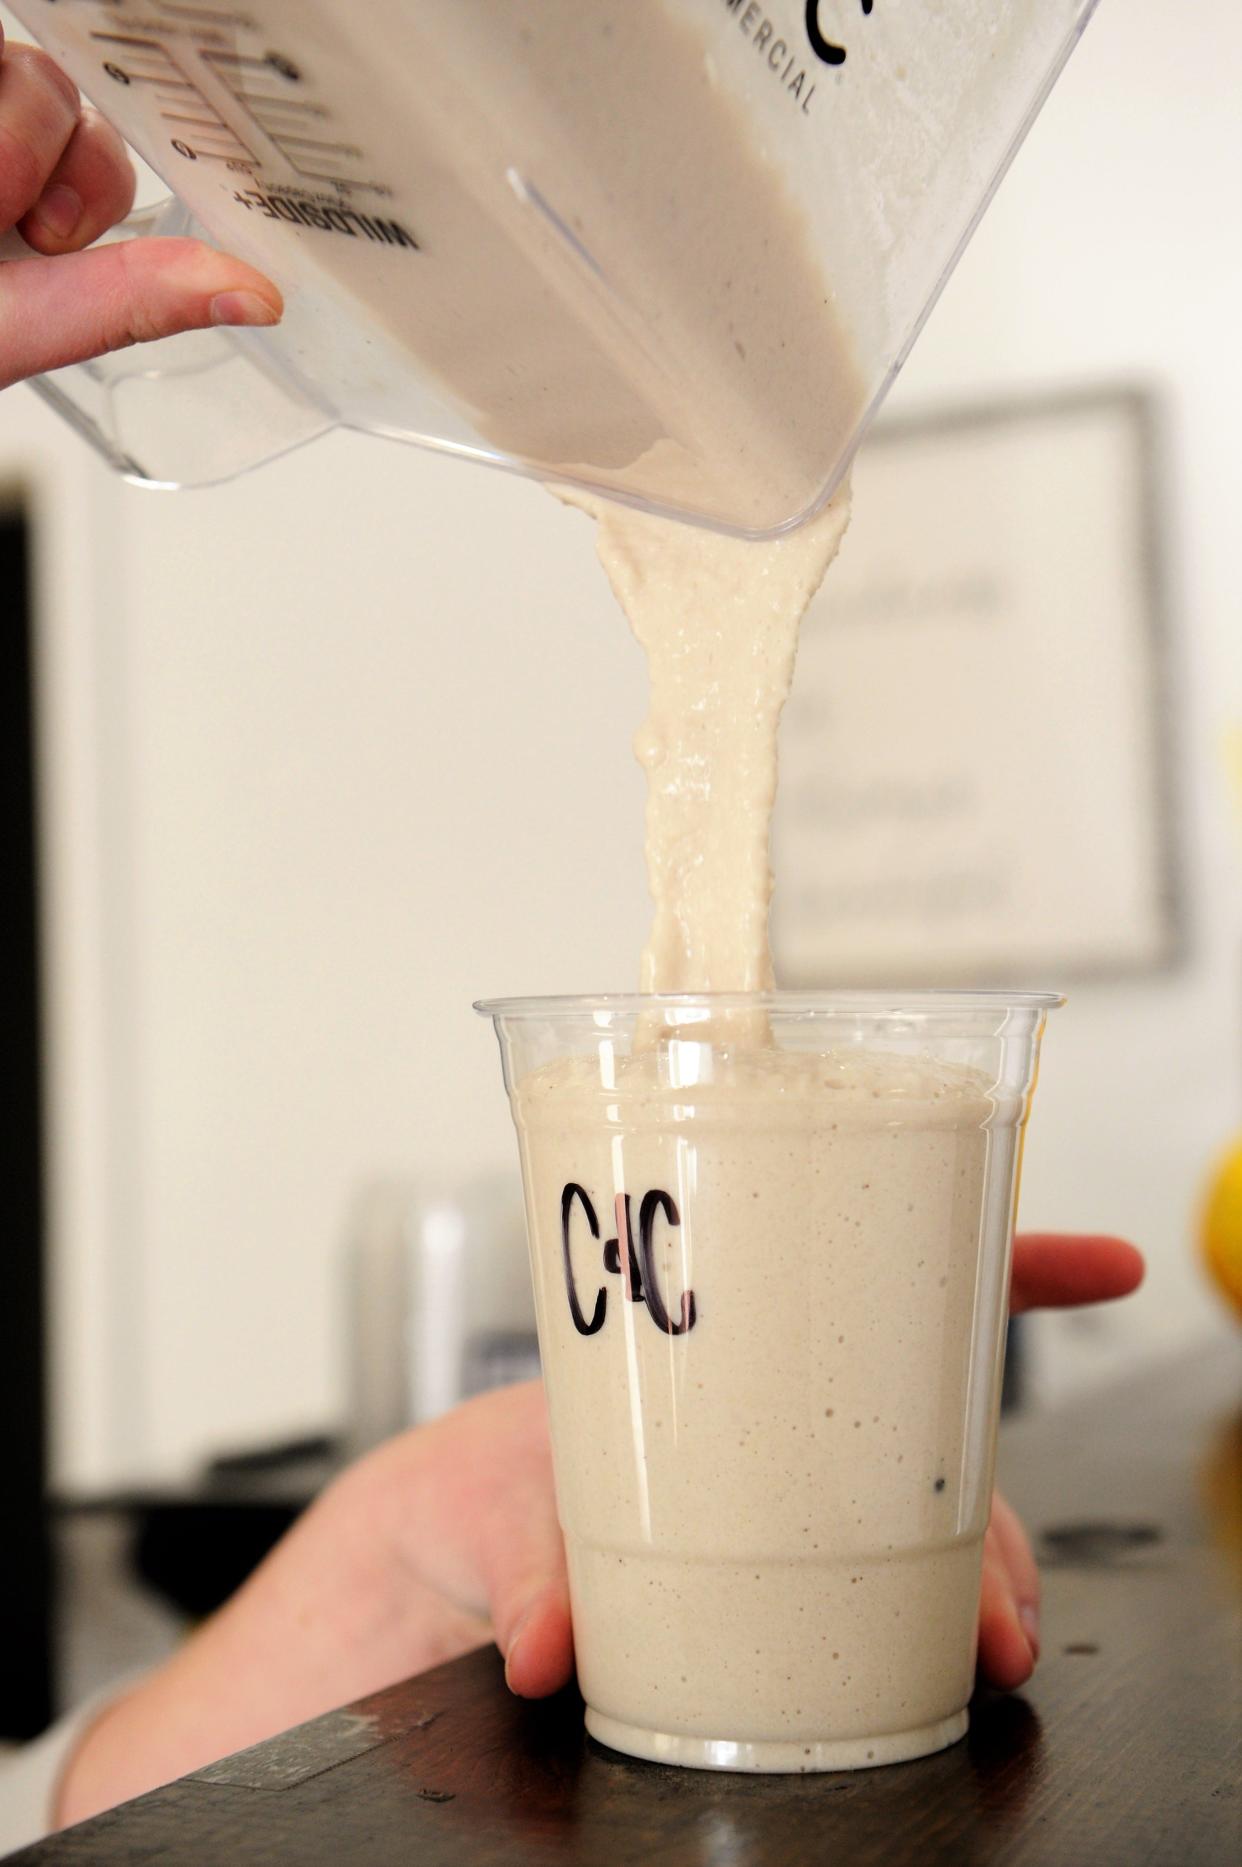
(637, 1269)
(824, 48)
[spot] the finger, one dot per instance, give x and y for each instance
(39, 110)
(1014, 1550)
(58, 311)
(1057, 1271)
(540, 1655)
(485, 1532)
(1005, 1657)
(524, 1572)
(89, 190)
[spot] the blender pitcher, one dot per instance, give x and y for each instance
(672, 251)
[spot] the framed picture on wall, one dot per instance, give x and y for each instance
(975, 761)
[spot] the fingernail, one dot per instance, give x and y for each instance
(59, 209)
(1029, 1617)
(242, 308)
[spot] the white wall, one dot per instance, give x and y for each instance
(361, 725)
(375, 747)
(1113, 252)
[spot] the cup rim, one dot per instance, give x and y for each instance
(930, 1003)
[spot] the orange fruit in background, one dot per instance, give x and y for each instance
(1221, 1230)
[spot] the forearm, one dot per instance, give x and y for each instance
(325, 1619)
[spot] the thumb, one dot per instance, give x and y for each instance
(79, 305)
(539, 1652)
(521, 1551)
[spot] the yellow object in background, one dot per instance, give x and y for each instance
(1221, 1231)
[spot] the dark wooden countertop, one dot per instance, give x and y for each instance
(1126, 1748)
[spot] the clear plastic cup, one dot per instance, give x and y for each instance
(770, 1239)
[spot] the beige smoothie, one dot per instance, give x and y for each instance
(760, 1299)
(770, 1281)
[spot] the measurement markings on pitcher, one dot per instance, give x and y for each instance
(204, 15)
(300, 128)
(181, 103)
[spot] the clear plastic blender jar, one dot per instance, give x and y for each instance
(673, 250)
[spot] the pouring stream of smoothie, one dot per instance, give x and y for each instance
(718, 618)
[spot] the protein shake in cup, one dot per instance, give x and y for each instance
(771, 1278)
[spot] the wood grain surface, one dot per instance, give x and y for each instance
(1126, 1749)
